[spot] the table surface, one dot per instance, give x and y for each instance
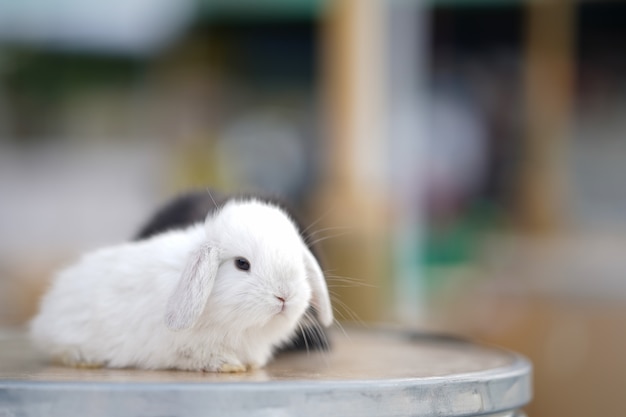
(367, 372)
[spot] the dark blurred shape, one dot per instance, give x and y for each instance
(183, 211)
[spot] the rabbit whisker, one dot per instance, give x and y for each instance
(319, 219)
(306, 343)
(340, 326)
(316, 333)
(323, 238)
(329, 229)
(347, 282)
(346, 309)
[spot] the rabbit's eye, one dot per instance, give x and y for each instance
(242, 264)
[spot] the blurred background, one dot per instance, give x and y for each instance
(464, 162)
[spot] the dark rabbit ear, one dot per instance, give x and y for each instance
(192, 291)
(320, 300)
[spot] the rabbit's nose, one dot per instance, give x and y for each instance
(282, 302)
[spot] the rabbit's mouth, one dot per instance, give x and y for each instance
(284, 311)
(282, 303)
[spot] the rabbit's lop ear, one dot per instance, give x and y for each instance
(194, 286)
(320, 299)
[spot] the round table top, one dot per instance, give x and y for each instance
(366, 373)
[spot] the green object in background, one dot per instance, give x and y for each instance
(289, 9)
(254, 9)
(457, 243)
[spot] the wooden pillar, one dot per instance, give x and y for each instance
(549, 96)
(353, 191)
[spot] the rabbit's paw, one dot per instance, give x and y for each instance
(232, 368)
(225, 365)
(74, 359)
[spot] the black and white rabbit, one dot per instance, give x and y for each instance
(219, 295)
(193, 206)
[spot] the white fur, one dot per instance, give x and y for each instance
(178, 301)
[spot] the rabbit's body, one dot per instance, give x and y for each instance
(178, 299)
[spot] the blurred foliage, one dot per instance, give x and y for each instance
(52, 74)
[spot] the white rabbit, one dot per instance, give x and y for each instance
(218, 296)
